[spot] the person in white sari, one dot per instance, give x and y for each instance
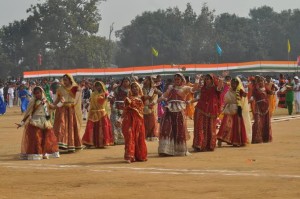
(39, 141)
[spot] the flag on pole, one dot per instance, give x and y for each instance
(289, 46)
(39, 59)
(219, 49)
(154, 52)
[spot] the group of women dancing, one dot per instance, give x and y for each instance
(133, 119)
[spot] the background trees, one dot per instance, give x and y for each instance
(185, 37)
(64, 32)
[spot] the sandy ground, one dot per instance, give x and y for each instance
(256, 171)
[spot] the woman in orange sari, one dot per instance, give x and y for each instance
(270, 86)
(39, 141)
(206, 113)
(133, 127)
(67, 122)
(190, 107)
(98, 132)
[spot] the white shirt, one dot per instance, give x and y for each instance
(2, 93)
(297, 92)
(11, 92)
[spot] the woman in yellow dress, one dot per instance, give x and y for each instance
(68, 117)
(190, 107)
(271, 95)
(98, 132)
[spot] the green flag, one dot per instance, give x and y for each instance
(154, 52)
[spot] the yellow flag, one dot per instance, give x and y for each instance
(289, 46)
(154, 52)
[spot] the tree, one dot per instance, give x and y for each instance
(173, 33)
(61, 22)
(185, 37)
(233, 33)
(63, 31)
(5, 65)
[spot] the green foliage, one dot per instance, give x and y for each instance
(65, 33)
(5, 64)
(185, 37)
(62, 31)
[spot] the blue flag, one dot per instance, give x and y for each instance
(219, 49)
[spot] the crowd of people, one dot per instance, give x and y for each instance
(133, 110)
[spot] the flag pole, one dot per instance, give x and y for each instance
(288, 55)
(219, 53)
(288, 61)
(217, 64)
(217, 59)
(152, 58)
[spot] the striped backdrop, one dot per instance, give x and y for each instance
(257, 66)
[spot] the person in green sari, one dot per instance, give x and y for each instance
(289, 95)
(46, 88)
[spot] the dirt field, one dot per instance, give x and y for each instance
(256, 171)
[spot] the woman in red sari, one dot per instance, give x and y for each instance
(261, 128)
(206, 113)
(39, 141)
(282, 92)
(232, 129)
(133, 127)
(68, 117)
(98, 132)
(173, 131)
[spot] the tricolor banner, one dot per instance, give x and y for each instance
(257, 66)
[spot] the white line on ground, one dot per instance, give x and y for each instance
(154, 170)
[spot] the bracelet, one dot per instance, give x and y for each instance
(22, 123)
(59, 104)
(219, 89)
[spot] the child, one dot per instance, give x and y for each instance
(39, 141)
(133, 127)
(98, 132)
(2, 100)
(24, 97)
